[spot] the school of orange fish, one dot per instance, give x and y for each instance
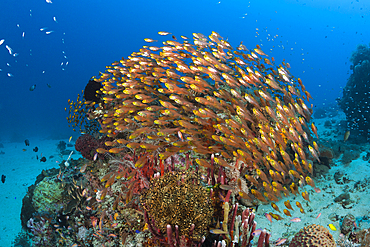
(208, 99)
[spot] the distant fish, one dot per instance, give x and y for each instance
(296, 219)
(47, 84)
(3, 178)
(346, 135)
(10, 75)
(33, 87)
(23, 35)
(27, 142)
(280, 241)
(49, 32)
(43, 29)
(43, 159)
(36, 149)
(2, 41)
(10, 50)
(49, 1)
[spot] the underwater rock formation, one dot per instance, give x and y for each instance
(47, 195)
(313, 236)
(356, 94)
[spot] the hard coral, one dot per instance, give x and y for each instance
(313, 236)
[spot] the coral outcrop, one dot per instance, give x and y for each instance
(348, 224)
(313, 236)
(47, 195)
(356, 93)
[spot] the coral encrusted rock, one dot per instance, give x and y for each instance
(348, 224)
(47, 195)
(313, 236)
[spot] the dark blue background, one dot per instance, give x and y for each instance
(315, 36)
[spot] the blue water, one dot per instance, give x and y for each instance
(315, 36)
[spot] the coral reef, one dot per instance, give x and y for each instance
(195, 131)
(313, 235)
(355, 98)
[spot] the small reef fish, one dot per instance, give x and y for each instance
(33, 87)
(276, 216)
(257, 232)
(332, 227)
(287, 213)
(346, 135)
(280, 241)
(318, 215)
(163, 33)
(2, 41)
(3, 178)
(43, 159)
(36, 149)
(295, 219)
(268, 216)
(274, 206)
(287, 204)
(27, 142)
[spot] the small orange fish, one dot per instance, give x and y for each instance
(274, 206)
(150, 40)
(317, 190)
(299, 205)
(305, 196)
(276, 216)
(314, 129)
(163, 33)
(287, 213)
(268, 216)
(287, 204)
(310, 182)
